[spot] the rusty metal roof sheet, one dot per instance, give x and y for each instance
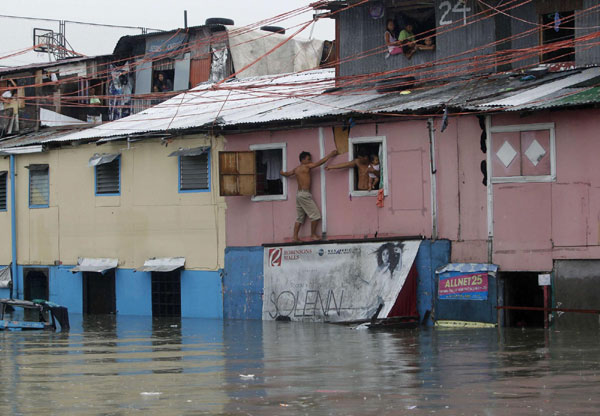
(261, 101)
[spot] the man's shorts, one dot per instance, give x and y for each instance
(305, 205)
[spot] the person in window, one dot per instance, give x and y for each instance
(391, 38)
(373, 178)
(407, 39)
(361, 163)
(95, 114)
(427, 44)
(305, 205)
(164, 84)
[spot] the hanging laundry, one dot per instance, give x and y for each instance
(272, 159)
(556, 22)
(380, 196)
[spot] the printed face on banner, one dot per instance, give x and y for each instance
(335, 282)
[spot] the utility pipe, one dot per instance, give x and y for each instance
(433, 178)
(490, 189)
(13, 225)
(323, 186)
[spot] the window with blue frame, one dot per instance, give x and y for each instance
(39, 186)
(108, 173)
(194, 169)
(3, 179)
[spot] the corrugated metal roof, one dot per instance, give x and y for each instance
(40, 65)
(311, 95)
(37, 137)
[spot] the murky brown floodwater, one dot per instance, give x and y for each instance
(132, 365)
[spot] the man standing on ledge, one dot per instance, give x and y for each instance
(305, 205)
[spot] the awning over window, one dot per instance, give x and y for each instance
(165, 264)
(101, 159)
(95, 265)
(194, 151)
(42, 166)
(5, 277)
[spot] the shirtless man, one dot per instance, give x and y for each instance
(361, 163)
(305, 205)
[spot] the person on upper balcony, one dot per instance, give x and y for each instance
(391, 38)
(407, 40)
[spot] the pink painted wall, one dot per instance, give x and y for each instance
(406, 211)
(534, 223)
(537, 223)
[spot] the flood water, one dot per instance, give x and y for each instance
(134, 365)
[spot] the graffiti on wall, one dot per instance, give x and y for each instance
(335, 282)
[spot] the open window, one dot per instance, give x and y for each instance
(558, 28)
(270, 161)
(558, 20)
(163, 75)
(255, 173)
(421, 15)
(371, 148)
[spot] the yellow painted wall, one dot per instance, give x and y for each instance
(150, 218)
(5, 241)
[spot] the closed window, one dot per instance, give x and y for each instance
(108, 177)
(3, 177)
(194, 173)
(39, 186)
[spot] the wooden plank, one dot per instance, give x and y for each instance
(237, 173)
(340, 136)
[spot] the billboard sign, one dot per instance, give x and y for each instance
(335, 282)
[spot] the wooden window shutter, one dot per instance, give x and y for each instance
(237, 173)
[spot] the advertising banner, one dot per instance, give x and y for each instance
(465, 281)
(335, 282)
(472, 286)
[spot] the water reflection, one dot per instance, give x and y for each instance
(122, 365)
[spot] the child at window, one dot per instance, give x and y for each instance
(427, 44)
(391, 41)
(373, 178)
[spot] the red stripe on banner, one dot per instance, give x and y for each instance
(406, 302)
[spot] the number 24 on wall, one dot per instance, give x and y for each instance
(459, 7)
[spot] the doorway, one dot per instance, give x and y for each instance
(99, 293)
(522, 289)
(35, 284)
(166, 294)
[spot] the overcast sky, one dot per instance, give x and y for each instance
(17, 34)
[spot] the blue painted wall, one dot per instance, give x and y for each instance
(201, 291)
(201, 294)
(243, 283)
(66, 288)
(134, 292)
(431, 255)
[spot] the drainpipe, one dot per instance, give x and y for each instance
(490, 193)
(323, 187)
(13, 225)
(433, 172)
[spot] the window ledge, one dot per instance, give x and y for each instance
(259, 198)
(366, 193)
